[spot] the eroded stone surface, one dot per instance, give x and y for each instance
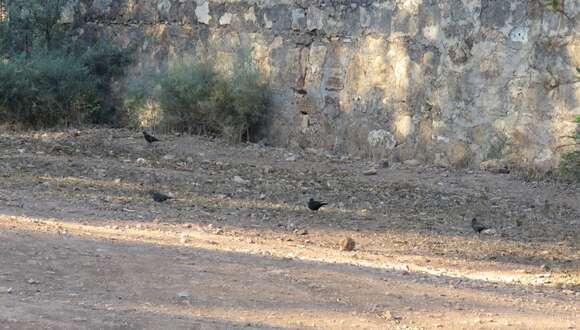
(454, 82)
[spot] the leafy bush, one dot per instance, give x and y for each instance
(570, 162)
(141, 100)
(104, 62)
(195, 98)
(251, 98)
(552, 4)
(186, 98)
(40, 50)
(4, 42)
(33, 25)
(45, 91)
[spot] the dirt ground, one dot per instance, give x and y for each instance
(83, 246)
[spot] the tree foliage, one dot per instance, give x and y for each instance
(37, 48)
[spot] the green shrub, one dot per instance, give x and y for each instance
(45, 90)
(570, 166)
(141, 102)
(570, 162)
(251, 99)
(186, 98)
(4, 42)
(105, 62)
(51, 78)
(33, 25)
(552, 4)
(195, 98)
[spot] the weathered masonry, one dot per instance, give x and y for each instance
(451, 82)
(3, 14)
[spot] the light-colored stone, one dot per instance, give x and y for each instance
(411, 162)
(305, 122)
(183, 295)
(315, 19)
(365, 18)
(226, 19)
(240, 180)
(494, 166)
(298, 19)
(202, 12)
(291, 158)
(267, 22)
(519, 34)
(370, 171)
(404, 126)
(250, 15)
(347, 244)
(67, 15)
(163, 6)
(184, 238)
(490, 232)
(5, 290)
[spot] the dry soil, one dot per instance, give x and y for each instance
(83, 246)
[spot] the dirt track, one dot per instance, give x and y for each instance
(83, 246)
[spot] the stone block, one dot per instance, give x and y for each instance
(298, 19)
(314, 19)
(202, 12)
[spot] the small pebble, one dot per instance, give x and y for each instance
(183, 238)
(300, 231)
(370, 171)
(183, 295)
(347, 244)
(5, 290)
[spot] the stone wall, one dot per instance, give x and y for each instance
(452, 82)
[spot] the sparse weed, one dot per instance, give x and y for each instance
(570, 162)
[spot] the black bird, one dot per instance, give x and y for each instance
(315, 205)
(159, 197)
(150, 138)
(478, 227)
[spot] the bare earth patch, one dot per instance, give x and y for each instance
(82, 245)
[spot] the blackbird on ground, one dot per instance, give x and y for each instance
(315, 205)
(150, 138)
(478, 227)
(159, 197)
